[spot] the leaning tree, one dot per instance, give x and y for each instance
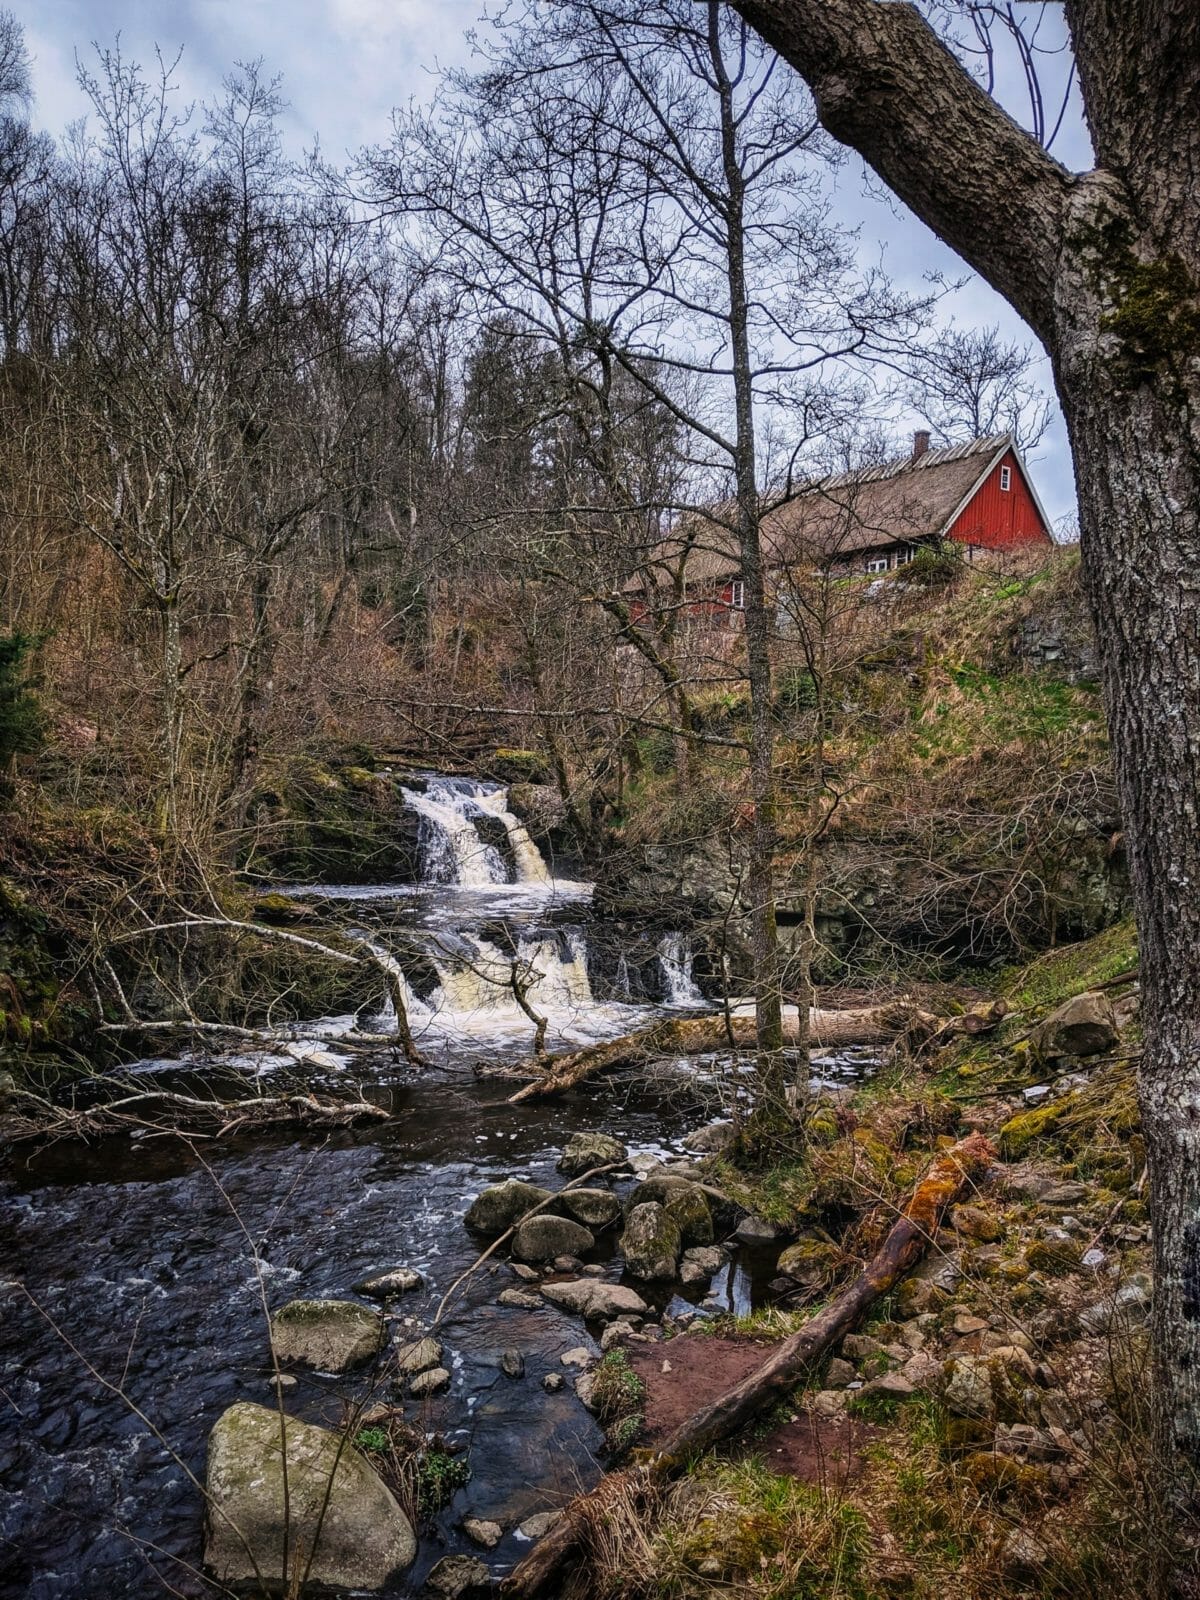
(1104, 265)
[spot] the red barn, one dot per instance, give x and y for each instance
(874, 519)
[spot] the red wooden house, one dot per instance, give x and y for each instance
(872, 520)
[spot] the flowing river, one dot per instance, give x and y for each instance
(130, 1266)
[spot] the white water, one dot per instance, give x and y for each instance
(453, 851)
(531, 867)
(675, 959)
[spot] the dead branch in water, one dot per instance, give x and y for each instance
(30, 1116)
(827, 1029)
(949, 1176)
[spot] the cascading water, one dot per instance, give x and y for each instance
(531, 867)
(675, 960)
(452, 849)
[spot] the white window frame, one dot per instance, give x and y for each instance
(737, 594)
(877, 564)
(1005, 479)
(904, 555)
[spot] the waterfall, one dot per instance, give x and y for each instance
(531, 868)
(386, 1019)
(554, 981)
(675, 960)
(453, 850)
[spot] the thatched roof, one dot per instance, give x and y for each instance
(910, 499)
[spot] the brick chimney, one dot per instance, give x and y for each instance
(920, 443)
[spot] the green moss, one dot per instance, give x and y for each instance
(1157, 313)
(1054, 1257)
(1059, 974)
(1023, 1130)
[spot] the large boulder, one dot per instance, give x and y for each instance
(1084, 1026)
(688, 1209)
(330, 1335)
(651, 1242)
(595, 1208)
(542, 1238)
(498, 1207)
(587, 1150)
(362, 1537)
(589, 1297)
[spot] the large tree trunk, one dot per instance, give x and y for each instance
(1105, 266)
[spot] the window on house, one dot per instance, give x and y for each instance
(737, 595)
(877, 564)
(1005, 479)
(904, 555)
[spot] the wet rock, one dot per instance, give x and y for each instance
(715, 1137)
(580, 1356)
(553, 1382)
(594, 1270)
(396, 1280)
(585, 1386)
(968, 1391)
(418, 1356)
(431, 1382)
(520, 1270)
(651, 1242)
(567, 1264)
(520, 1299)
(595, 1208)
(587, 1150)
(1083, 1026)
(455, 1576)
(617, 1333)
(281, 1381)
(755, 1230)
(363, 1537)
(701, 1264)
(537, 1526)
(330, 1335)
(587, 1297)
(483, 1533)
(499, 1206)
(542, 1238)
(512, 1363)
(688, 1209)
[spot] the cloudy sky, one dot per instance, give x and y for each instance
(347, 63)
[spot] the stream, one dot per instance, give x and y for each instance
(134, 1257)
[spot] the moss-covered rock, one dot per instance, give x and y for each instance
(331, 1499)
(543, 1237)
(330, 1335)
(651, 1243)
(587, 1150)
(499, 1206)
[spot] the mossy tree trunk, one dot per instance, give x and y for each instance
(1105, 267)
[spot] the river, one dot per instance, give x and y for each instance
(136, 1257)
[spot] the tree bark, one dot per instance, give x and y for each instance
(786, 1366)
(1105, 266)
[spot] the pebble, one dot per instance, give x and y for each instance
(553, 1382)
(512, 1363)
(520, 1298)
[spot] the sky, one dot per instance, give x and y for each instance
(346, 64)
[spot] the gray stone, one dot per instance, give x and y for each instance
(519, 1298)
(483, 1533)
(418, 1356)
(578, 1357)
(968, 1391)
(1083, 1026)
(512, 1363)
(584, 1387)
(701, 1263)
(755, 1230)
(587, 1150)
(892, 1384)
(503, 1204)
(1127, 1308)
(430, 1382)
(520, 1270)
(839, 1373)
(651, 1242)
(330, 1335)
(616, 1333)
(553, 1382)
(567, 1264)
(542, 1238)
(537, 1526)
(716, 1136)
(396, 1280)
(455, 1576)
(587, 1297)
(363, 1537)
(595, 1208)
(1022, 1557)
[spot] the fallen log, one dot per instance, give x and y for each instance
(690, 1035)
(948, 1177)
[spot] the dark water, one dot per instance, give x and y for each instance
(140, 1268)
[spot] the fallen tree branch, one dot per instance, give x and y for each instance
(689, 1035)
(167, 1111)
(948, 1177)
